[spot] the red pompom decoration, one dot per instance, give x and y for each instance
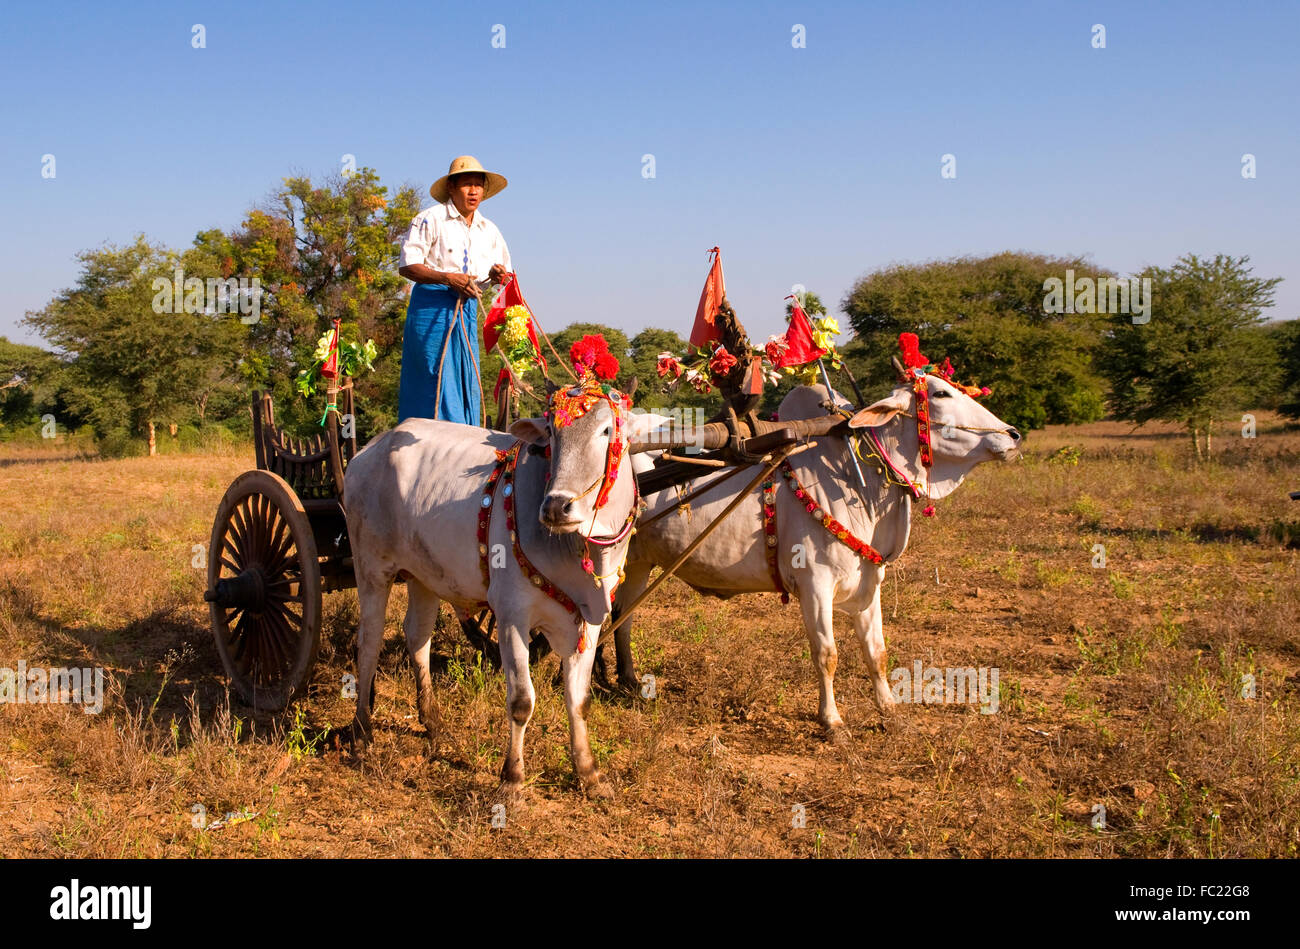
(911, 347)
(591, 354)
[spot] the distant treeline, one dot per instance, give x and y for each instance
(152, 340)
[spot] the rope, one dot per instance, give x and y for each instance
(549, 345)
(469, 347)
(442, 358)
(964, 428)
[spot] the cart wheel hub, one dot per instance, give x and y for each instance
(248, 590)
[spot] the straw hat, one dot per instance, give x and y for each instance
(494, 183)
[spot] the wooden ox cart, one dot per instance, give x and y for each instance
(279, 538)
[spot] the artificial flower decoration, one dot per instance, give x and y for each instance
(775, 349)
(699, 381)
(352, 359)
(721, 362)
(516, 340)
(668, 363)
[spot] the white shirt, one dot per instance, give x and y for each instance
(440, 238)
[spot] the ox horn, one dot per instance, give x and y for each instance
(899, 368)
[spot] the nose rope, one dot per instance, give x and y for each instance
(964, 428)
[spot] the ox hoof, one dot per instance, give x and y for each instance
(884, 703)
(597, 788)
(839, 734)
(508, 793)
(360, 734)
(632, 686)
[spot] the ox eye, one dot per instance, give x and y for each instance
(609, 429)
(941, 394)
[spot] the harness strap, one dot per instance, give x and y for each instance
(903, 480)
(922, 392)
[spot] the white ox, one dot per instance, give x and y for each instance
(822, 572)
(414, 497)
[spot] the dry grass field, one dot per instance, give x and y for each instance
(1120, 686)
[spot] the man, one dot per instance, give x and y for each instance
(452, 250)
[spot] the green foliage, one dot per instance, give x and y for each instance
(325, 252)
(1285, 338)
(811, 303)
(986, 315)
(31, 385)
(1197, 357)
(652, 391)
(354, 359)
(129, 367)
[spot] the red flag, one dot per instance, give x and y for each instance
(496, 318)
(330, 368)
(495, 322)
(799, 346)
(704, 331)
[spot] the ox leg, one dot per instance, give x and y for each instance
(818, 614)
(519, 701)
(871, 634)
(576, 669)
(421, 617)
(372, 595)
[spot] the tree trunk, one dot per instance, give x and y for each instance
(1208, 429)
(153, 441)
(1196, 441)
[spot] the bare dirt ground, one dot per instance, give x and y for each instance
(1120, 686)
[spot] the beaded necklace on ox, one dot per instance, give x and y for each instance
(566, 406)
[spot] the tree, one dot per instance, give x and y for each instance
(323, 253)
(987, 315)
(1286, 344)
(29, 385)
(1196, 357)
(811, 303)
(129, 367)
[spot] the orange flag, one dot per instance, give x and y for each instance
(704, 331)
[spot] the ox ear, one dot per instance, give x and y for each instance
(641, 423)
(879, 413)
(530, 430)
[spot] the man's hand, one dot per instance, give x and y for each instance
(467, 284)
(497, 274)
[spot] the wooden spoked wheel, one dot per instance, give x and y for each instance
(264, 590)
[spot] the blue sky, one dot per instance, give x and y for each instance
(811, 166)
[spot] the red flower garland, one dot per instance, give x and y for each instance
(769, 537)
(837, 530)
